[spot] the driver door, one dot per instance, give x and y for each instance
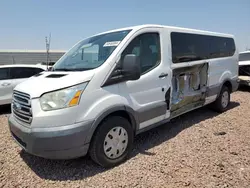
(149, 96)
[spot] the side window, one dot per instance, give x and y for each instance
(189, 47)
(23, 72)
(221, 47)
(217, 47)
(230, 46)
(4, 74)
(147, 48)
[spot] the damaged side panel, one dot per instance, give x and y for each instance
(189, 88)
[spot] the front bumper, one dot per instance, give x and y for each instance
(65, 142)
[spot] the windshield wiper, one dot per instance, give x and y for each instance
(63, 69)
(82, 69)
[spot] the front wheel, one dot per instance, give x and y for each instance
(112, 142)
(222, 102)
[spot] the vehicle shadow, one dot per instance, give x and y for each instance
(81, 168)
(244, 88)
(5, 109)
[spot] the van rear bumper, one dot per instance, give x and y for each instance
(64, 142)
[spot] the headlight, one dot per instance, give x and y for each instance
(62, 98)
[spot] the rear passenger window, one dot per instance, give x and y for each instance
(191, 47)
(188, 47)
(147, 48)
(24, 72)
(4, 73)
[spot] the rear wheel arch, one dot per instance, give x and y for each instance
(217, 105)
(228, 84)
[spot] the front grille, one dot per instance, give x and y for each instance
(21, 107)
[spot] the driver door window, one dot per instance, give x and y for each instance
(147, 48)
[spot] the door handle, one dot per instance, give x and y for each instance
(163, 75)
(5, 84)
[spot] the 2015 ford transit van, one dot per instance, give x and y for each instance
(114, 85)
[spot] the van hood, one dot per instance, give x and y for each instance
(49, 81)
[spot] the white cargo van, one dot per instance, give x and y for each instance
(114, 85)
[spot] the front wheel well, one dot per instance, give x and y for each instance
(121, 113)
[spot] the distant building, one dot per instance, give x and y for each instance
(8, 57)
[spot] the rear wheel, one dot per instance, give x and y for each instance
(222, 102)
(112, 142)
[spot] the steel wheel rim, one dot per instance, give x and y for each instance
(115, 142)
(224, 99)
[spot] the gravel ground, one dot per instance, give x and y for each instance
(199, 149)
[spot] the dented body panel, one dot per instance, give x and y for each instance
(189, 88)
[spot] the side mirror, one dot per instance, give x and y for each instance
(131, 68)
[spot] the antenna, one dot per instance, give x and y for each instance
(48, 48)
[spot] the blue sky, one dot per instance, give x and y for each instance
(25, 23)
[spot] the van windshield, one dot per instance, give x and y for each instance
(91, 52)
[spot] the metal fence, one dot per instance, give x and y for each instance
(28, 57)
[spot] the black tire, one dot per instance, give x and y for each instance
(217, 105)
(96, 148)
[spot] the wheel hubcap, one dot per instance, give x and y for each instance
(224, 99)
(116, 142)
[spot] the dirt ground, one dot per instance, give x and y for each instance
(199, 149)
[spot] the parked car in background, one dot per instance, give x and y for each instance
(244, 68)
(12, 75)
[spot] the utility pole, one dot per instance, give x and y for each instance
(47, 41)
(13, 59)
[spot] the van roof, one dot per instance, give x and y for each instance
(137, 27)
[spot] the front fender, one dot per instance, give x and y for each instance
(95, 106)
(109, 111)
